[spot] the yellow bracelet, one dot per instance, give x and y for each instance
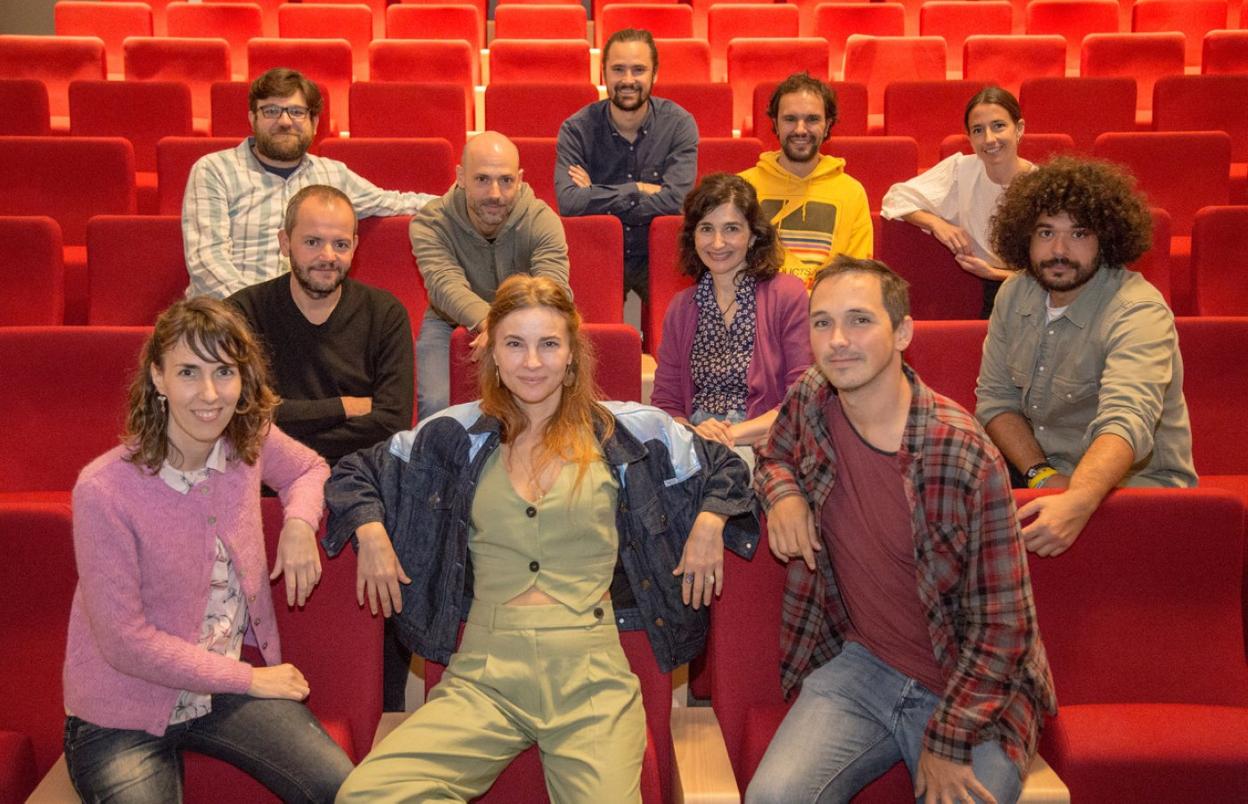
(1038, 480)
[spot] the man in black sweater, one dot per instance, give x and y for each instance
(341, 351)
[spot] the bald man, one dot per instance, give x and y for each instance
(486, 228)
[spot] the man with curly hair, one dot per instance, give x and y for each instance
(1081, 382)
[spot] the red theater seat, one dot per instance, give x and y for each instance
(946, 355)
(1009, 61)
(939, 289)
(618, 348)
(444, 23)
(534, 109)
(111, 22)
(836, 22)
(1211, 393)
(1208, 103)
(1145, 57)
(710, 104)
(34, 252)
(1084, 108)
(1225, 52)
(752, 61)
(1072, 19)
(123, 291)
(928, 111)
(954, 20)
(539, 60)
(453, 61)
(174, 158)
(268, 10)
(384, 259)
(328, 62)
(237, 23)
(406, 164)
(663, 21)
(376, 7)
(25, 103)
(1192, 18)
(56, 61)
(537, 158)
(877, 162)
(726, 22)
(701, 10)
(1219, 262)
(684, 60)
(330, 21)
(404, 109)
(540, 22)
(727, 154)
(877, 61)
(596, 267)
(198, 63)
(665, 277)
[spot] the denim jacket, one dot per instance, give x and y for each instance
(420, 485)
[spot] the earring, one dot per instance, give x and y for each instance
(569, 376)
(498, 377)
(163, 401)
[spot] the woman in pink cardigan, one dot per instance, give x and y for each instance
(172, 579)
(735, 341)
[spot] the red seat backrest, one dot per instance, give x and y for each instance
(1072, 19)
(877, 61)
(237, 23)
(383, 258)
(1083, 107)
(877, 162)
(710, 104)
(684, 60)
(754, 60)
(537, 159)
(123, 291)
(407, 109)
(336, 21)
(453, 61)
(111, 22)
(196, 62)
(928, 111)
(539, 61)
(1009, 61)
(34, 250)
(1192, 18)
(836, 22)
(1219, 262)
(1212, 392)
(725, 22)
(406, 164)
(954, 20)
(1225, 52)
(54, 60)
(1145, 57)
(141, 111)
(534, 108)
(174, 158)
(1204, 103)
(939, 289)
(513, 21)
(442, 20)
(662, 20)
(727, 154)
(25, 101)
(946, 355)
(665, 277)
(596, 267)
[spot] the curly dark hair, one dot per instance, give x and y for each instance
(804, 82)
(763, 258)
(1099, 196)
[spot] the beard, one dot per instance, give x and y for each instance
(642, 97)
(806, 152)
(314, 286)
(1082, 274)
(285, 146)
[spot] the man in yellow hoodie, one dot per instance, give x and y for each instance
(819, 209)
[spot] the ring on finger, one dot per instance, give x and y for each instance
(688, 577)
(710, 577)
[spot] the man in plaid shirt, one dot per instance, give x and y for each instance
(908, 623)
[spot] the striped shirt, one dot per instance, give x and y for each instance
(233, 209)
(972, 576)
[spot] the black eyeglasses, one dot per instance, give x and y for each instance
(273, 112)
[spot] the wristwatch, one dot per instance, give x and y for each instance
(1039, 473)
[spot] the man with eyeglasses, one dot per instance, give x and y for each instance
(235, 200)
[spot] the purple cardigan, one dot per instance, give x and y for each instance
(781, 348)
(145, 553)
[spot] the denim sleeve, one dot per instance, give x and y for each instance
(358, 491)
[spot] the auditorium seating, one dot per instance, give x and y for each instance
(1148, 659)
(1009, 61)
(124, 289)
(522, 781)
(1145, 57)
(1192, 18)
(326, 61)
(56, 61)
(727, 154)
(406, 164)
(440, 21)
(684, 60)
(537, 159)
(1208, 103)
(376, 7)
(111, 22)
(663, 21)
(25, 101)
(539, 60)
(402, 109)
(1213, 392)
(383, 258)
(596, 267)
(49, 436)
(1084, 108)
(33, 247)
(877, 162)
(701, 10)
(751, 61)
(1225, 52)
(598, 7)
(1219, 261)
(928, 111)
(231, 106)
(836, 22)
(1072, 19)
(540, 22)
(198, 63)
(453, 62)
(954, 20)
(877, 61)
(174, 158)
(946, 355)
(665, 277)
(710, 104)
(532, 108)
(330, 21)
(237, 23)
(726, 22)
(141, 111)
(618, 348)
(939, 288)
(37, 577)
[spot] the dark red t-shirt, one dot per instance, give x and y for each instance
(866, 525)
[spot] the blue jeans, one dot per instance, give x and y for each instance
(855, 717)
(277, 742)
(433, 365)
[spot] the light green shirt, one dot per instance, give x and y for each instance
(1109, 364)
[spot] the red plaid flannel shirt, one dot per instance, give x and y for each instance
(971, 568)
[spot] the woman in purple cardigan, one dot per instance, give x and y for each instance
(735, 341)
(172, 579)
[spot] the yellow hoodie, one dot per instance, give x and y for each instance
(819, 217)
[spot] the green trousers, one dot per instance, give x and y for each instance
(522, 675)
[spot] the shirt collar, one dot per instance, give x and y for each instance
(183, 482)
(642, 130)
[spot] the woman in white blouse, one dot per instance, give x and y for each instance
(955, 199)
